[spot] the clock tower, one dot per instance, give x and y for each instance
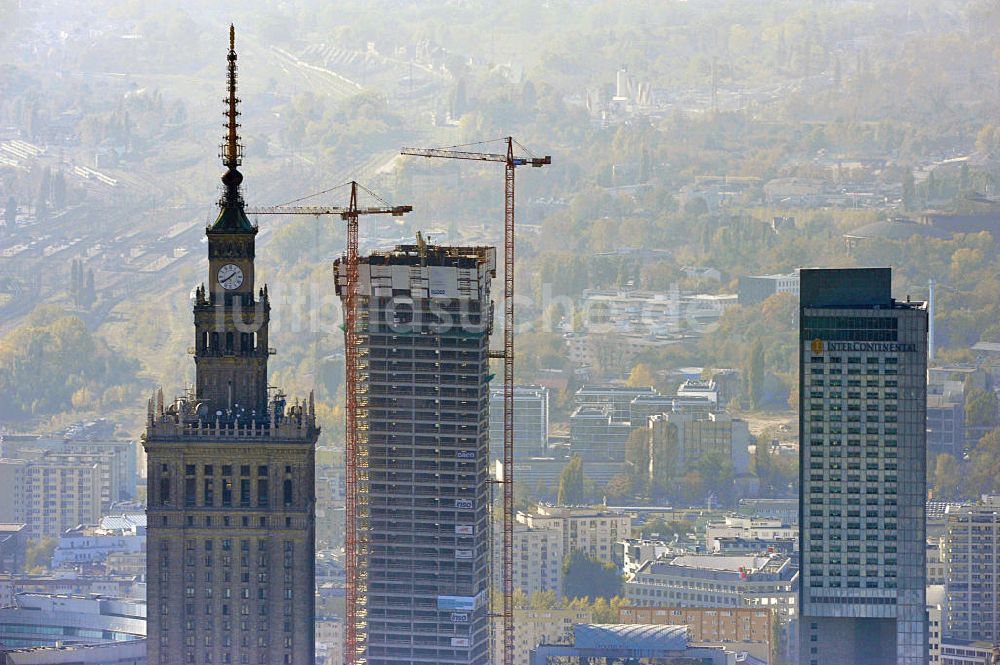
(231, 344)
(230, 537)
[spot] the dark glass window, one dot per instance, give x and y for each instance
(164, 491)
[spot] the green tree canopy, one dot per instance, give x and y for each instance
(984, 466)
(586, 577)
(641, 376)
(38, 554)
(51, 358)
(981, 408)
(572, 484)
(754, 373)
(947, 477)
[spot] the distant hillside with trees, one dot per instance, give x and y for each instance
(52, 363)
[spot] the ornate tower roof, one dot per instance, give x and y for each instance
(232, 217)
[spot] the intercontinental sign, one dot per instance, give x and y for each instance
(819, 346)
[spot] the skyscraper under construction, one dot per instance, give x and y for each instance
(424, 318)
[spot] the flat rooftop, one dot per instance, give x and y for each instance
(727, 563)
(433, 255)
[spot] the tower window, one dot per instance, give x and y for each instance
(244, 492)
(229, 342)
(189, 486)
(244, 342)
(287, 492)
(164, 485)
(227, 492)
(263, 488)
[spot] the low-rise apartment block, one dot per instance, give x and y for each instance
(697, 580)
(678, 441)
(50, 494)
(538, 559)
(972, 549)
(534, 627)
(592, 530)
(767, 532)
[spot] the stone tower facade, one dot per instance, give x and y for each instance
(230, 538)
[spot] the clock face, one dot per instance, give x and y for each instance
(230, 276)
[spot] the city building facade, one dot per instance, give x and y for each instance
(750, 529)
(427, 317)
(619, 398)
(631, 553)
(644, 406)
(591, 530)
(595, 436)
(538, 559)
(679, 440)
(698, 580)
(330, 639)
(85, 545)
(92, 441)
(49, 620)
(863, 362)
(936, 621)
(956, 651)
(534, 627)
(972, 580)
(531, 421)
(945, 425)
(739, 629)
(628, 643)
(50, 493)
(753, 289)
(13, 547)
(704, 388)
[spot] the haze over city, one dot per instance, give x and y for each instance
(515, 333)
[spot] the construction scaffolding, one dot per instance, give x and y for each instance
(356, 435)
(511, 162)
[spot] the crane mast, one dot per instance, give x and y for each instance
(356, 430)
(511, 162)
